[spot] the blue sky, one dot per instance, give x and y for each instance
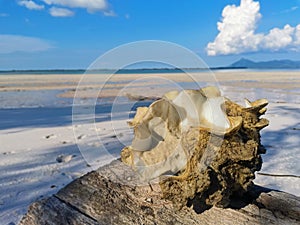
(48, 34)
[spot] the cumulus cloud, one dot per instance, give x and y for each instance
(277, 38)
(237, 32)
(90, 5)
(60, 12)
(16, 43)
(31, 5)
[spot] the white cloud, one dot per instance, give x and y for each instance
(15, 43)
(297, 35)
(63, 8)
(90, 5)
(109, 13)
(237, 32)
(60, 12)
(31, 5)
(278, 39)
(292, 9)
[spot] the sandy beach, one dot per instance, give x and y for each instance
(39, 151)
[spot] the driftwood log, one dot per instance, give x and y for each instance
(104, 197)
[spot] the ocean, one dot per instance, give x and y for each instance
(140, 71)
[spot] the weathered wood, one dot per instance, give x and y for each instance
(52, 211)
(104, 197)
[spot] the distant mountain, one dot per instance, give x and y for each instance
(274, 64)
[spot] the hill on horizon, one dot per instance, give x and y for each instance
(273, 64)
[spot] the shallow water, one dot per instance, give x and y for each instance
(32, 99)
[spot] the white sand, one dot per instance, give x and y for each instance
(36, 128)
